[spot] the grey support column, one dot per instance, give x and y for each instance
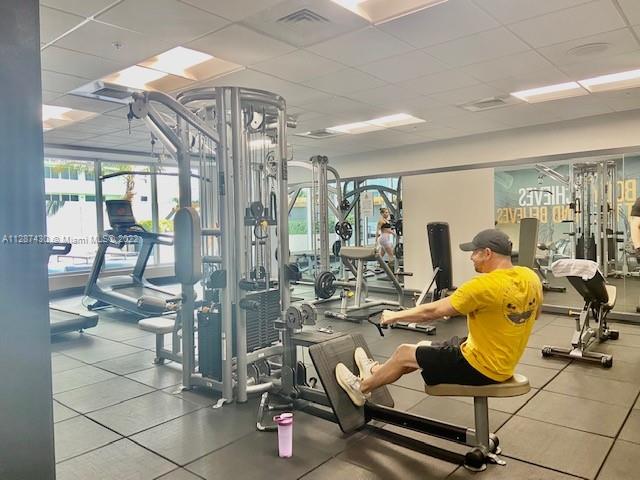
(26, 419)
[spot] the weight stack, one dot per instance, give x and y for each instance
(261, 332)
(440, 247)
(210, 343)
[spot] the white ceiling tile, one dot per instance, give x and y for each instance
(51, 136)
(241, 45)
(631, 9)
(48, 96)
(404, 67)
(59, 82)
(105, 123)
(510, 66)
(439, 82)
(384, 95)
(520, 115)
(472, 123)
(344, 82)
(467, 94)
(441, 115)
(75, 63)
(444, 22)
(67, 133)
(177, 22)
(536, 78)
(118, 112)
(342, 106)
(616, 63)
(235, 10)
(82, 103)
(620, 41)
(576, 22)
(509, 11)
(298, 66)
(315, 123)
(54, 23)
(293, 93)
(577, 107)
(477, 48)
(305, 32)
(100, 39)
(85, 8)
(621, 100)
(360, 47)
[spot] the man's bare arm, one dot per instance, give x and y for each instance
(422, 313)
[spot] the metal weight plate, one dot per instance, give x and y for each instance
(344, 230)
(309, 314)
(324, 285)
(335, 248)
(294, 318)
(398, 250)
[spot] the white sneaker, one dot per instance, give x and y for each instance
(350, 384)
(364, 363)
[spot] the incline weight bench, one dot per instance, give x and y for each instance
(328, 354)
(599, 300)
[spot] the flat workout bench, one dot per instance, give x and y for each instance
(327, 355)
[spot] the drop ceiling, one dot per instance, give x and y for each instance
(346, 70)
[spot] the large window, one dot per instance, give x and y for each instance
(168, 195)
(71, 213)
(131, 182)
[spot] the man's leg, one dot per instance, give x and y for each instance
(402, 361)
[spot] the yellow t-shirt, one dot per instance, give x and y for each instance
(501, 308)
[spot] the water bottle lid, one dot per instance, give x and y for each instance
(284, 418)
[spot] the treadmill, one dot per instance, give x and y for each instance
(126, 292)
(61, 319)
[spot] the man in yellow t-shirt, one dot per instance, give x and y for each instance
(501, 307)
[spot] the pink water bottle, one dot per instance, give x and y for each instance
(285, 434)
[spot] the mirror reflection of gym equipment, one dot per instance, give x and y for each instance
(588, 199)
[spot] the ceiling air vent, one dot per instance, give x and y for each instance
(319, 134)
(304, 15)
(488, 103)
(109, 92)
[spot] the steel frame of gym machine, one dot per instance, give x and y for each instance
(241, 185)
(319, 205)
(594, 210)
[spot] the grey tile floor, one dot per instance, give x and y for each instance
(117, 416)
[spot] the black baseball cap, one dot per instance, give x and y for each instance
(495, 240)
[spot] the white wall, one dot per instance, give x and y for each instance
(610, 131)
(462, 199)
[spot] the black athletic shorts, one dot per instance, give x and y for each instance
(444, 363)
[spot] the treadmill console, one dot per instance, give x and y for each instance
(120, 214)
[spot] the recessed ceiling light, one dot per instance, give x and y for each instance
(375, 124)
(135, 77)
(177, 61)
(50, 112)
(397, 120)
(381, 11)
(613, 81)
(54, 116)
(551, 92)
(356, 127)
